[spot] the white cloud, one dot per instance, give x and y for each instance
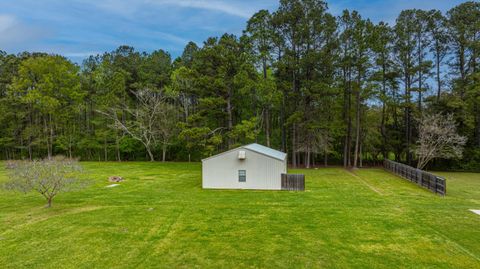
(14, 34)
(6, 22)
(219, 6)
(127, 7)
(140, 32)
(122, 7)
(80, 54)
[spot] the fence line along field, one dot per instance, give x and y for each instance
(160, 217)
(423, 178)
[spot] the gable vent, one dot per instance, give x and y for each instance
(241, 155)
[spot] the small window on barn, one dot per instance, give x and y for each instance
(242, 176)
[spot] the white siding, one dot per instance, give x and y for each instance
(263, 172)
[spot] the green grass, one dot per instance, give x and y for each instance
(161, 218)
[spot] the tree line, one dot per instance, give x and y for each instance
(323, 88)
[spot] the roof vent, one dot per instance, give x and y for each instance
(241, 155)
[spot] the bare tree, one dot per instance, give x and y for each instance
(150, 122)
(47, 177)
(438, 138)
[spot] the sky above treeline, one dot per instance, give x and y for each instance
(79, 28)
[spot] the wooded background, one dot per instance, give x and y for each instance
(324, 89)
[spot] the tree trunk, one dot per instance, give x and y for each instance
(349, 130)
(164, 152)
(230, 117)
(462, 71)
(307, 159)
(382, 125)
(150, 154)
(30, 123)
(282, 124)
(439, 83)
(47, 130)
(30, 150)
(267, 126)
(105, 148)
(357, 133)
(51, 134)
(420, 71)
(70, 148)
(347, 118)
(407, 119)
(49, 202)
(282, 112)
(361, 155)
(117, 148)
(294, 147)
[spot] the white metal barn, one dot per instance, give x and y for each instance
(248, 167)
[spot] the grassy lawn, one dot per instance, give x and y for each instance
(161, 218)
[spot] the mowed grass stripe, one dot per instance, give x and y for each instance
(364, 182)
(435, 203)
(161, 218)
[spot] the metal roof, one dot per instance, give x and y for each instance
(256, 148)
(266, 151)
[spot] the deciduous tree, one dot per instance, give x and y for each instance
(48, 177)
(438, 138)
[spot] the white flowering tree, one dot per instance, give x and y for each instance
(438, 138)
(47, 177)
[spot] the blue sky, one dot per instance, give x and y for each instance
(78, 28)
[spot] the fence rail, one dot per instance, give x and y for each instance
(291, 182)
(424, 179)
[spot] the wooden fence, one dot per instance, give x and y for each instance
(291, 182)
(424, 179)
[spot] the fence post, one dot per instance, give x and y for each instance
(424, 179)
